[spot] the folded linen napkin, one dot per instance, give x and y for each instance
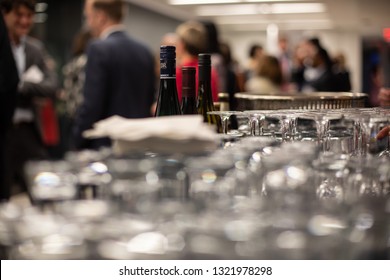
(183, 134)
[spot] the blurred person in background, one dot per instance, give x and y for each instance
(376, 98)
(384, 97)
(318, 72)
(192, 40)
(341, 73)
(120, 73)
(233, 73)
(71, 95)
(254, 54)
(298, 65)
(268, 77)
(285, 61)
(213, 48)
(383, 133)
(38, 84)
(9, 80)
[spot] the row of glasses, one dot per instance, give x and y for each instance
(362, 123)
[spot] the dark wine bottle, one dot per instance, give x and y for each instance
(188, 102)
(167, 102)
(204, 102)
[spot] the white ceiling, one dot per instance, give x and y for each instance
(368, 17)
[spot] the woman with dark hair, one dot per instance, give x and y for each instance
(318, 73)
(255, 53)
(213, 48)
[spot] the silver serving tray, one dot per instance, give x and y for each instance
(314, 100)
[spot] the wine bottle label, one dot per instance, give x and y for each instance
(188, 81)
(167, 69)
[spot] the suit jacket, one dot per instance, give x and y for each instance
(37, 55)
(8, 84)
(120, 80)
(8, 79)
(33, 95)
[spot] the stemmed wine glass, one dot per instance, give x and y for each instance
(225, 116)
(360, 120)
(256, 120)
(288, 122)
(322, 120)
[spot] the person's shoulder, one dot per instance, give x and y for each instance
(123, 38)
(97, 45)
(138, 43)
(260, 85)
(34, 43)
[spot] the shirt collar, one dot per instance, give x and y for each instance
(22, 42)
(109, 30)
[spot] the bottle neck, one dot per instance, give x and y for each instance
(188, 84)
(204, 73)
(188, 93)
(167, 69)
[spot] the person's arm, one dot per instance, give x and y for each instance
(95, 94)
(48, 86)
(383, 133)
(384, 97)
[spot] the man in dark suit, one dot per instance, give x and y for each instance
(120, 75)
(8, 84)
(37, 82)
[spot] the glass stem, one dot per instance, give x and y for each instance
(252, 124)
(225, 123)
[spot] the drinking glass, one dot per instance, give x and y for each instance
(288, 122)
(322, 120)
(256, 120)
(360, 123)
(225, 116)
(51, 181)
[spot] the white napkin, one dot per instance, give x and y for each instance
(184, 134)
(33, 75)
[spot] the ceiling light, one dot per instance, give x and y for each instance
(243, 21)
(282, 27)
(253, 9)
(268, 1)
(221, 10)
(200, 2)
(296, 8)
